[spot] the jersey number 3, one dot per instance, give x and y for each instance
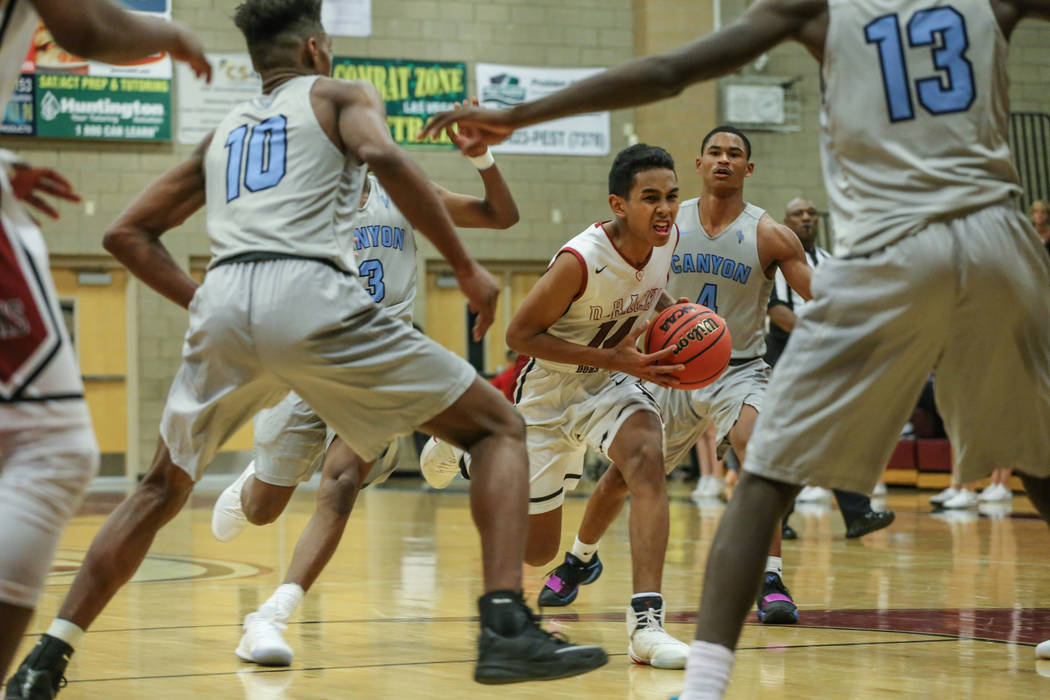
(943, 29)
(266, 156)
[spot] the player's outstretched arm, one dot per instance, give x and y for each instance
(778, 246)
(648, 79)
(134, 238)
(497, 209)
(361, 123)
(548, 300)
(104, 31)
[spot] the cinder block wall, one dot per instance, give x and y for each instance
(787, 165)
(527, 32)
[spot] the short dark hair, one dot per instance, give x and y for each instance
(633, 160)
(272, 27)
(726, 129)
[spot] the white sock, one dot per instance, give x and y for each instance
(775, 565)
(707, 671)
(65, 630)
(283, 602)
(584, 552)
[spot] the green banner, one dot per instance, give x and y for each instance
(98, 107)
(412, 90)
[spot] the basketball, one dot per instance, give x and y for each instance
(701, 339)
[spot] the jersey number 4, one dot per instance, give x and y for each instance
(267, 153)
(943, 29)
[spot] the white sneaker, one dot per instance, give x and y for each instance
(262, 642)
(648, 642)
(714, 487)
(1042, 650)
(880, 490)
(813, 494)
(963, 499)
(227, 515)
(995, 492)
(701, 487)
(439, 462)
(945, 495)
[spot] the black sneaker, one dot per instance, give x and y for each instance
(787, 532)
(532, 655)
(41, 674)
(869, 522)
(563, 584)
(775, 606)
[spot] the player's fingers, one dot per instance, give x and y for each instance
(41, 205)
(655, 357)
(61, 191)
(435, 125)
(482, 323)
(56, 178)
(666, 369)
(632, 337)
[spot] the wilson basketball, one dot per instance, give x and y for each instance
(700, 338)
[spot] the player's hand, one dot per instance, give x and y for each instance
(491, 126)
(482, 292)
(467, 138)
(647, 366)
(29, 182)
(188, 48)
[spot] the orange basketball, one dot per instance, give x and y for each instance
(700, 338)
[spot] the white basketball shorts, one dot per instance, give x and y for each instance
(967, 299)
(258, 329)
(563, 414)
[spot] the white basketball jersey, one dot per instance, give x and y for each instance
(14, 44)
(275, 181)
(724, 274)
(386, 251)
(915, 116)
(616, 294)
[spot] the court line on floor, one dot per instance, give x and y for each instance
(679, 618)
(777, 647)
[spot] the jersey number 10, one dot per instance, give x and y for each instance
(943, 29)
(266, 156)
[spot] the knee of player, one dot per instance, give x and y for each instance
(541, 554)
(338, 494)
(163, 496)
(260, 511)
(643, 462)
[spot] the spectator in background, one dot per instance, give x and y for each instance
(507, 380)
(801, 217)
(1040, 215)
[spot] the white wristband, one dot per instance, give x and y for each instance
(484, 161)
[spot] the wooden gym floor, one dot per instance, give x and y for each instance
(936, 605)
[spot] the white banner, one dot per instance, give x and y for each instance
(202, 106)
(347, 17)
(505, 86)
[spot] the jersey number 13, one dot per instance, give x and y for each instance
(943, 29)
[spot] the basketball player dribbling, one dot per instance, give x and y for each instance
(291, 440)
(48, 452)
(921, 186)
(579, 323)
(273, 175)
(725, 260)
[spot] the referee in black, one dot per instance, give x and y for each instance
(801, 217)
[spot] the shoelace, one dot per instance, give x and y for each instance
(648, 618)
(534, 622)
